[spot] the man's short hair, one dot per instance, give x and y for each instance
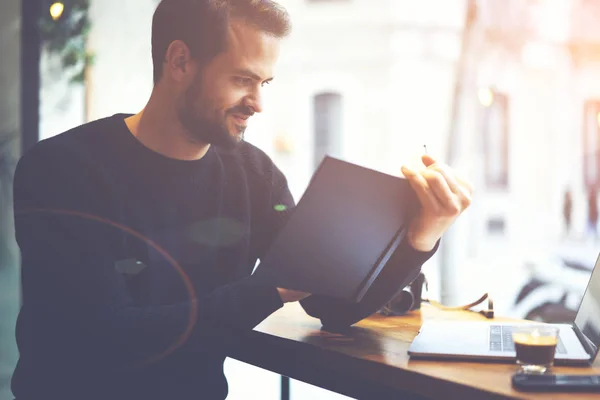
(203, 25)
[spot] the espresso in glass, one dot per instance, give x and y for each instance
(535, 347)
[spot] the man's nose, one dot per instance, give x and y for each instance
(254, 101)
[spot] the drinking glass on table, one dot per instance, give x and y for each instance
(535, 346)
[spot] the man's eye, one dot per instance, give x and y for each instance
(265, 83)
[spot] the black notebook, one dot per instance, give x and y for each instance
(345, 227)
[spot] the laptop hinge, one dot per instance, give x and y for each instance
(587, 344)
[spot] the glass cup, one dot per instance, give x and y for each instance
(535, 346)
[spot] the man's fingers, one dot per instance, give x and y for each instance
(439, 188)
(442, 191)
(421, 188)
(452, 182)
(428, 160)
(465, 185)
(459, 187)
(432, 163)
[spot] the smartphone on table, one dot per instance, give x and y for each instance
(556, 383)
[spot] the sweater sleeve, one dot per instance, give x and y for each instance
(400, 270)
(68, 266)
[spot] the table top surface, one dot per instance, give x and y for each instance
(384, 342)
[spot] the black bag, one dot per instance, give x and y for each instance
(407, 299)
(411, 299)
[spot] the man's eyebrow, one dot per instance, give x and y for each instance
(248, 73)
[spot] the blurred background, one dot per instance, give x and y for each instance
(505, 91)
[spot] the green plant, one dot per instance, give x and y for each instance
(66, 35)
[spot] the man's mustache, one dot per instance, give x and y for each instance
(244, 110)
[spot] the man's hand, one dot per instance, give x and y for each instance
(288, 296)
(443, 196)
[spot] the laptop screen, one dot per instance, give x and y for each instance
(588, 315)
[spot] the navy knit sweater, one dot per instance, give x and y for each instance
(136, 267)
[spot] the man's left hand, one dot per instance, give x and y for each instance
(443, 197)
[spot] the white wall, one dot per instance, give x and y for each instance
(62, 103)
(546, 92)
(121, 78)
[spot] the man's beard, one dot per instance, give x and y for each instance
(203, 130)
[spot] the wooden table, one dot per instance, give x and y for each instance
(370, 361)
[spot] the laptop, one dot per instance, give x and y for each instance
(487, 340)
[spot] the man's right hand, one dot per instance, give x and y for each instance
(288, 296)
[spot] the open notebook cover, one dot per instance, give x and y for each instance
(345, 227)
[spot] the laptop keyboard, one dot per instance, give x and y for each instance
(501, 339)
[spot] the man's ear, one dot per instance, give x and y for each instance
(178, 58)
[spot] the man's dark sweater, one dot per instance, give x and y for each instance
(137, 267)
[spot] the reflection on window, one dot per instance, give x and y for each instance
(591, 143)
(327, 126)
(495, 142)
